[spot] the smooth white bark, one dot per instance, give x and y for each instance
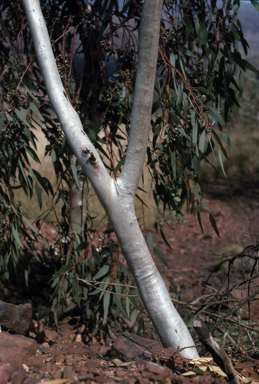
(117, 197)
(143, 94)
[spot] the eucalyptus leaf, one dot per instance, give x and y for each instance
(202, 141)
(103, 271)
(150, 241)
(160, 255)
(215, 115)
(221, 162)
(2, 117)
(214, 224)
(106, 303)
(16, 235)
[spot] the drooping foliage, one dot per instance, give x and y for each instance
(199, 75)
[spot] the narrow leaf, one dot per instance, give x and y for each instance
(36, 111)
(16, 235)
(160, 255)
(199, 220)
(118, 166)
(221, 162)
(74, 172)
(20, 115)
(102, 272)
(164, 238)
(203, 35)
(106, 304)
(214, 224)
(65, 268)
(186, 52)
(227, 140)
(2, 117)
(249, 66)
(220, 144)
(172, 60)
(195, 133)
(202, 141)
(182, 68)
(155, 106)
(150, 241)
(82, 246)
(175, 119)
(53, 155)
(215, 115)
(30, 224)
(39, 194)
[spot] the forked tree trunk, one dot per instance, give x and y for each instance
(117, 196)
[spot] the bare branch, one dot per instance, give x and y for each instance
(217, 352)
(66, 114)
(143, 98)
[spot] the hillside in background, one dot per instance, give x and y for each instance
(249, 18)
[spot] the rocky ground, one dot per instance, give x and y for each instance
(68, 355)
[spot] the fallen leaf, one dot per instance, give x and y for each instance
(200, 360)
(197, 371)
(216, 369)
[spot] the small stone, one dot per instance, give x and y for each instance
(121, 373)
(78, 338)
(117, 362)
(50, 336)
(100, 379)
(70, 374)
(157, 369)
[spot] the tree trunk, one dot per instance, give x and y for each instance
(117, 196)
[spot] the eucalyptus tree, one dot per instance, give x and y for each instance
(117, 195)
(197, 46)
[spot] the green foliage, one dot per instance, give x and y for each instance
(92, 277)
(198, 48)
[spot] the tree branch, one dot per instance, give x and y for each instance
(143, 97)
(70, 122)
(217, 352)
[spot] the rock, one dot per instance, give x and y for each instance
(70, 374)
(18, 376)
(9, 372)
(16, 318)
(6, 369)
(16, 348)
(35, 362)
(129, 347)
(50, 336)
(156, 372)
